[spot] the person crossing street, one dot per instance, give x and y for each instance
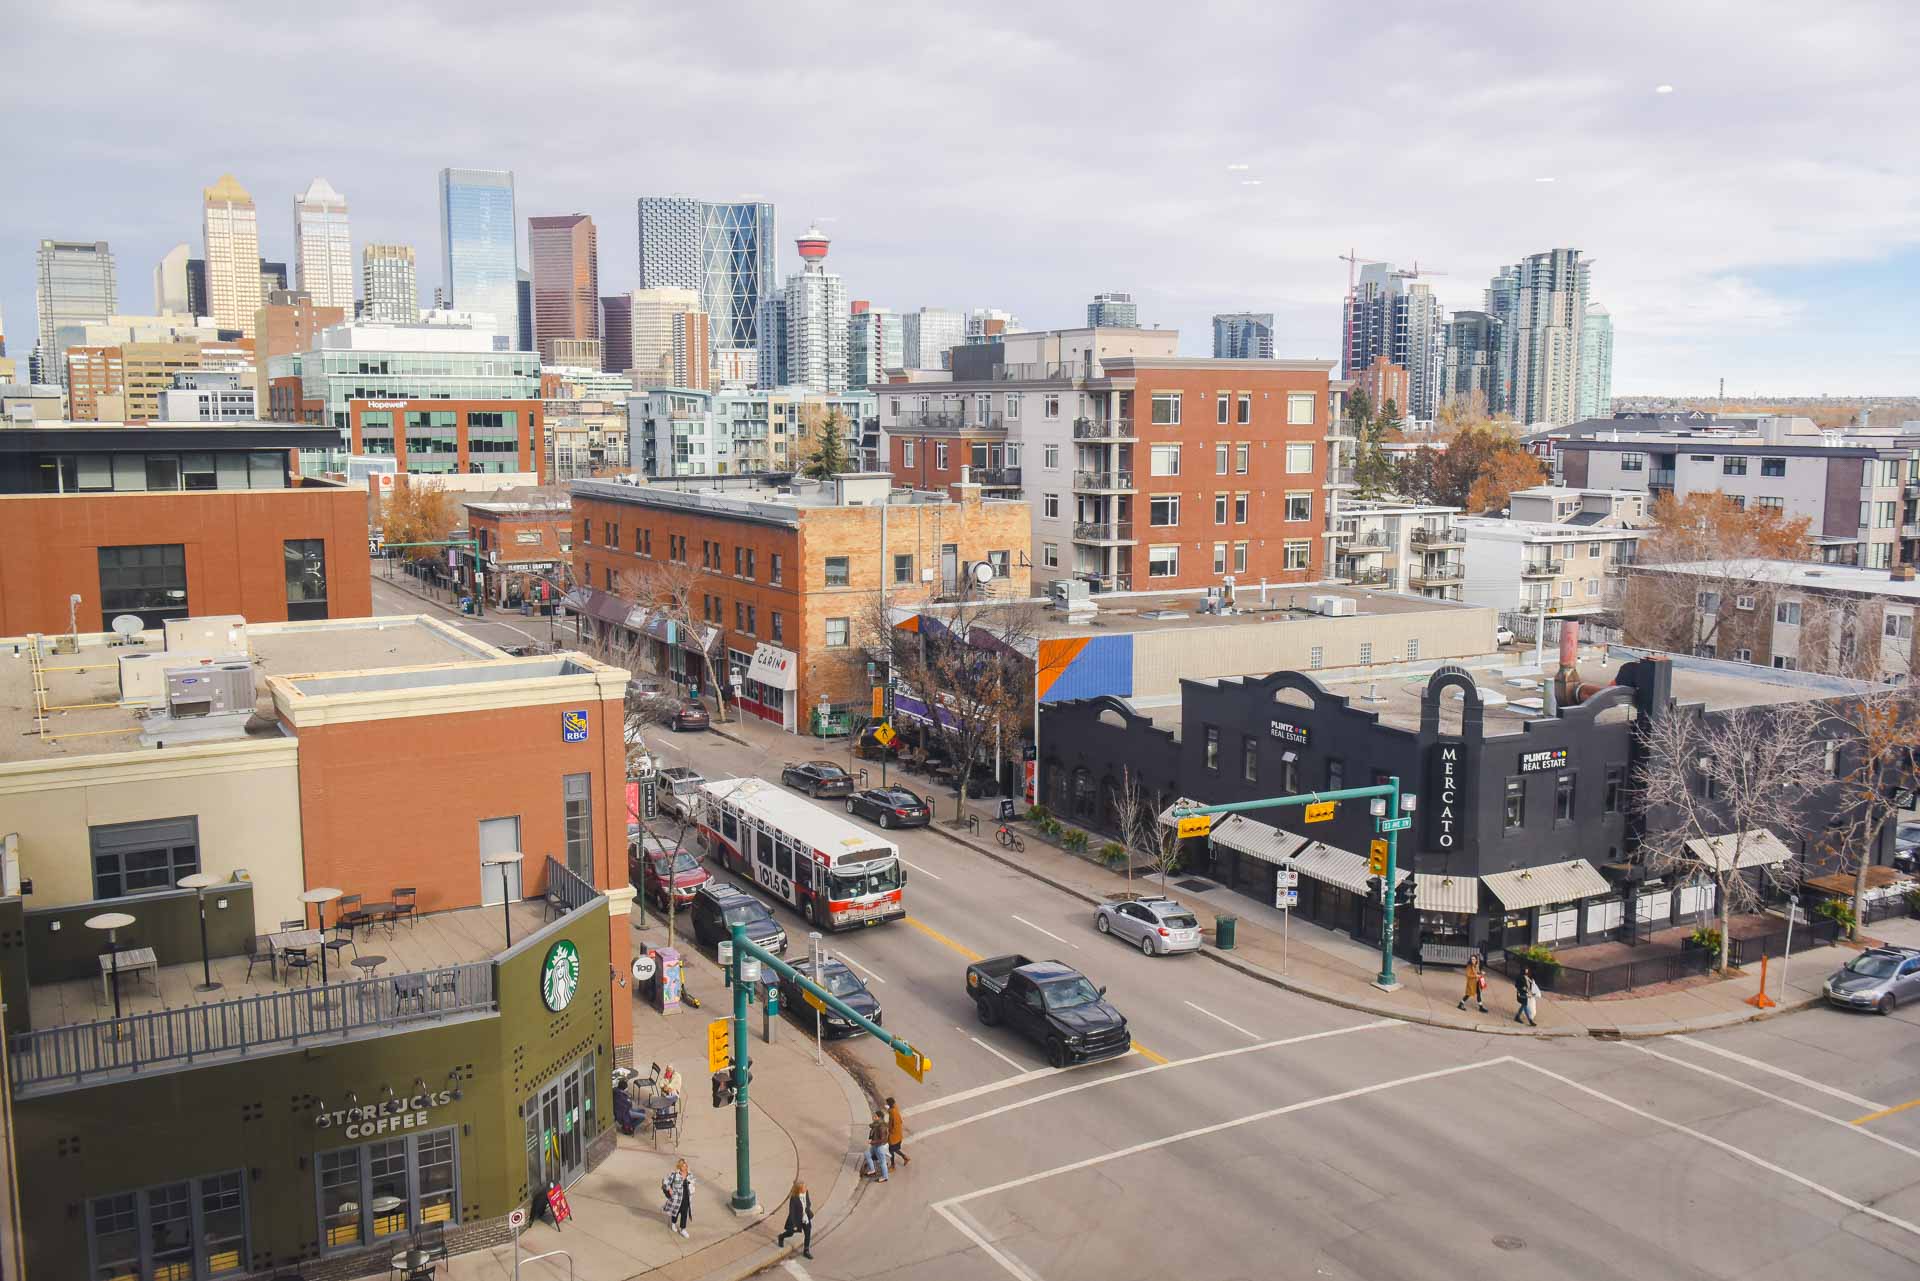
(896, 1132)
(799, 1219)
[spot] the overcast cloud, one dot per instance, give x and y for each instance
(1761, 222)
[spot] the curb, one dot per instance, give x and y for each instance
(1629, 1032)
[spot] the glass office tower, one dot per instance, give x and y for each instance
(479, 250)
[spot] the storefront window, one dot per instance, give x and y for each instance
(387, 1171)
(436, 1177)
(306, 560)
(115, 1229)
(340, 1196)
(380, 1190)
(174, 1232)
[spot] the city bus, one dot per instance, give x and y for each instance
(833, 872)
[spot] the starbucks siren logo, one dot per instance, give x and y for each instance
(560, 975)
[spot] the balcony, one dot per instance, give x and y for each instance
(1103, 531)
(1618, 568)
(1367, 577)
(948, 422)
(1097, 429)
(1340, 476)
(996, 477)
(1102, 482)
(1439, 573)
(1446, 537)
(1340, 429)
(1542, 568)
(1105, 582)
(1910, 531)
(1362, 541)
(1660, 478)
(1039, 371)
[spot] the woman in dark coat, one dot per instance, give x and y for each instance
(799, 1219)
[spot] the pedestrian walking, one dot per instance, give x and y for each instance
(799, 1219)
(1476, 985)
(877, 1156)
(678, 1187)
(896, 1132)
(1527, 993)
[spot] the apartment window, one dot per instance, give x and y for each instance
(1787, 613)
(1240, 509)
(613, 535)
(1770, 503)
(837, 633)
(739, 616)
(1299, 457)
(1050, 505)
(1300, 408)
(1219, 558)
(1709, 602)
(1773, 466)
(1593, 587)
(836, 571)
(1593, 551)
(940, 456)
(739, 559)
(1163, 561)
(1221, 464)
(777, 628)
(1709, 785)
(1631, 461)
(1563, 800)
(1899, 627)
(1239, 558)
(1299, 506)
(1884, 515)
(1743, 655)
(1163, 509)
(1733, 466)
(1879, 555)
(1050, 555)
(577, 800)
(773, 568)
(750, 565)
(146, 857)
(150, 581)
(193, 1228)
(419, 1172)
(906, 453)
(1013, 405)
(1830, 757)
(1336, 773)
(643, 541)
(1050, 456)
(753, 622)
(1250, 759)
(1166, 408)
(1786, 664)
(1316, 658)
(1050, 407)
(1614, 794)
(1164, 460)
(1243, 408)
(586, 533)
(1566, 588)
(1241, 454)
(306, 566)
(1220, 409)
(1213, 748)
(1297, 552)
(903, 568)
(1743, 602)
(1516, 804)
(1219, 509)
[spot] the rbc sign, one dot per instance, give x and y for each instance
(573, 726)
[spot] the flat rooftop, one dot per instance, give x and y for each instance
(1812, 575)
(1175, 611)
(77, 681)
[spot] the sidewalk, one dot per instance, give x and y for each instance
(809, 1122)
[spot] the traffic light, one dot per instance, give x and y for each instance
(719, 1044)
(1403, 895)
(1373, 889)
(1377, 858)
(723, 1089)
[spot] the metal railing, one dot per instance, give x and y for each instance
(948, 420)
(1340, 429)
(1368, 577)
(335, 1011)
(1447, 537)
(1440, 572)
(1340, 476)
(1376, 538)
(1103, 429)
(1103, 531)
(1039, 371)
(567, 890)
(1106, 582)
(1541, 568)
(995, 476)
(1103, 480)
(1660, 476)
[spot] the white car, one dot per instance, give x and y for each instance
(1503, 636)
(1156, 926)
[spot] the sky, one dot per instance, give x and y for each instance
(1758, 221)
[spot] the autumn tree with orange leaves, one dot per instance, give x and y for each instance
(1712, 552)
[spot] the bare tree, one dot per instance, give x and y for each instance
(1872, 741)
(970, 665)
(1710, 785)
(1133, 814)
(1709, 554)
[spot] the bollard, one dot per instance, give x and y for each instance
(1760, 1000)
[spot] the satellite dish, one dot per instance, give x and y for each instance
(127, 625)
(983, 573)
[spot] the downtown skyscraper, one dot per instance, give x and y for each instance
(1541, 304)
(725, 251)
(816, 319)
(231, 240)
(1243, 335)
(322, 246)
(74, 287)
(1594, 398)
(480, 248)
(389, 285)
(1391, 314)
(564, 252)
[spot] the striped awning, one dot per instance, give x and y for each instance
(1435, 893)
(1528, 887)
(1166, 815)
(1759, 848)
(1331, 866)
(1257, 840)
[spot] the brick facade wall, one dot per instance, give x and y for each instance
(530, 450)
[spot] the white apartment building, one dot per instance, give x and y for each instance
(1398, 547)
(929, 335)
(736, 430)
(816, 320)
(1561, 551)
(322, 246)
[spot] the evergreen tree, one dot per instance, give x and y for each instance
(830, 456)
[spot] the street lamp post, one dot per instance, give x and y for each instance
(200, 883)
(511, 859)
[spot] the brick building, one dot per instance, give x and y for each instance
(285, 325)
(431, 436)
(169, 521)
(526, 544)
(779, 579)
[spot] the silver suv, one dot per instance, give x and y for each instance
(1880, 978)
(1156, 926)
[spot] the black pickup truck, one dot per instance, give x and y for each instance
(1051, 1004)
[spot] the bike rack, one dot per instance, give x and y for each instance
(973, 824)
(535, 1258)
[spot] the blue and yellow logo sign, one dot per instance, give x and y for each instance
(573, 726)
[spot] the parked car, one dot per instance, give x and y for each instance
(678, 791)
(1880, 978)
(1051, 1004)
(1503, 636)
(1906, 847)
(718, 907)
(817, 778)
(689, 716)
(891, 807)
(841, 982)
(652, 868)
(1156, 926)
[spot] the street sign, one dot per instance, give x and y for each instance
(1195, 825)
(1399, 824)
(885, 734)
(1377, 858)
(879, 699)
(1284, 899)
(813, 1000)
(649, 799)
(517, 1217)
(719, 1044)
(1321, 811)
(914, 1065)
(1288, 877)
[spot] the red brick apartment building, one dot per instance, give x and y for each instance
(429, 437)
(1143, 469)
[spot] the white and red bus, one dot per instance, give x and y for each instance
(833, 872)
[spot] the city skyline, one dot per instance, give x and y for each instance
(1704, 279)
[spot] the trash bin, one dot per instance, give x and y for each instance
(1223, 932)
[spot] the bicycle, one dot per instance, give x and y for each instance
(1010, 838)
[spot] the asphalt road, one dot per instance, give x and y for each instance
(497, 627)
(1255, 1133)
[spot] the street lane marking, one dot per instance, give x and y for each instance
(1785, 1102)
(794, 1268)
(1797, 1079)
(1013, 1063)
(930, 1105)
(1013, 1266)
(961, 1096)
(1049, 933)
(842, 956)
(1149, 1055)
(1818, 1189)
(1217, 1019)
(923, 871)
(938, 937)
(1875, 1116)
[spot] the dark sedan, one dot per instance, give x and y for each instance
(891, 807)
(690, 716)
(817, 778)
(841, 982)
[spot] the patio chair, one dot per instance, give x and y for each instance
(341, 940)
(296, 958)
(664, 1118)
(300, 924)
(258, 948)
(349, 913)
(404, 903)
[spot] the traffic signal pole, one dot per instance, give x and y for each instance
(1389, 825)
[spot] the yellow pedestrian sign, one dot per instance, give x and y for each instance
(719, 1044)
(884, 735)
(813, 1000)
(1195, 825)
(914, 1065)
(1321, 811)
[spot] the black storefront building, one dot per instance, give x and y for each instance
(1524, 830)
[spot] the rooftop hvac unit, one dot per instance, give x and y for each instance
(143, 677)
(1336, 606)
(1070, 593)
(212, 689)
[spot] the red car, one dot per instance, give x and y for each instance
(648, 873)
